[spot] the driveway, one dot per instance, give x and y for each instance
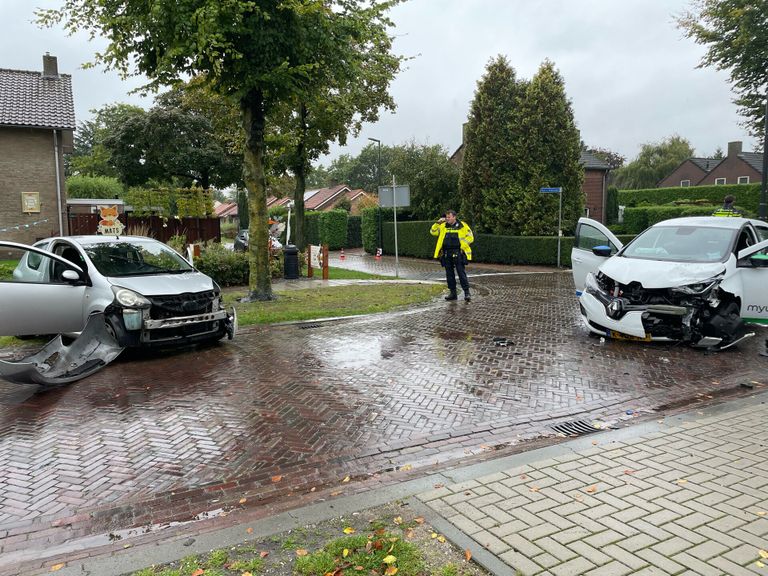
(283, 411)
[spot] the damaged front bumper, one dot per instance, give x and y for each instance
(136, 327)
(60, 363)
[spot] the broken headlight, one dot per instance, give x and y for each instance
(699, 288)
(129, 298)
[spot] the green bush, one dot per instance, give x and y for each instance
(226, 267)
(354, 232)
(368, 228)
(94, 187)
(747, 195)
(333, 228)
(312, 227)
(612, 205)
(638, 219)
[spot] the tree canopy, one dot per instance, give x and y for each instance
(655, 162)
(735, 33)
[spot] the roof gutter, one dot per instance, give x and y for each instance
(58, 179)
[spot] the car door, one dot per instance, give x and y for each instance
(39, 294)
(752, 274)
(590, 233)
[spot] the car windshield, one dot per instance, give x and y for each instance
(135, 258)
(682, 244)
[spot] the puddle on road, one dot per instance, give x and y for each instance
(354, 352)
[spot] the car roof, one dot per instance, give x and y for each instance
(99, 239)
(708, 222)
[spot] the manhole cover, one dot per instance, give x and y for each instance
(575, 428)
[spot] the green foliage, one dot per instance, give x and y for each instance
(747, 195)
(179, 243)
(81, 186)
(254, 565)
(611, 205)
(656, 161)
(361, 171)
(226, 267)
(6, 269)
(638, 219)
(312, 227)
(181, 202)
(354, 232)
(333, 228)
(369, 229)
(217, 558)
(735, 33)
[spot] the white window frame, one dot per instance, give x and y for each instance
(719, 181)
(742, 180)
(685, 183)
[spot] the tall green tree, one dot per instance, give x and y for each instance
(549, 158)
(492, 145)
(655, 162)
(735, 33)
(257, 52)
(362, 171)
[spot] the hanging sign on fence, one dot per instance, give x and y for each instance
(315, 256)
(109, 225)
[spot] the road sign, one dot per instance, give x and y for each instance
(556, 190)
(402, 196)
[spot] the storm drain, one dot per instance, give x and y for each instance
(306, 326)
(575, 428)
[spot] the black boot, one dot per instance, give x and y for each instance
(451, 296)
(467, 297)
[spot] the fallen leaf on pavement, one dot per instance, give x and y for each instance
(595, 442)
(467, 555)
(359, 568)
(389, 559)
(390, 571)
(243, 500)
(434, 535)
(277, 478)
(592, 489)
(406, 467)
(346, 479)
(535, 488)
(301, 552)
(56, 567)
(681, 481)
(439, 486)
(759, 564)
(628, 471)
(523, 477)
(441, 539)
(420, 519)
(313, 489)
(761, 513)
(249, 530)
(198, 572)
(246, 574)
(263, 554)
(349, 530)
(409, 533)
(336, 493)
(398, 520)
(345, 553)
(763, 554)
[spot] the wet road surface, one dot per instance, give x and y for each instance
(285, 409)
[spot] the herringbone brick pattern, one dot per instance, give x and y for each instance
(153, 439)
(691, 500)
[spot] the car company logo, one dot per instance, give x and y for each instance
(615, 308)
(757, 308)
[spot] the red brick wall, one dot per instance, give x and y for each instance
(686, 171)
(27, 165)
(593, 193)
(730, 169)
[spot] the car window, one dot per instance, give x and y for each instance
(762, 232)
(134, 258)
(682, 244)
(589, 237)
(15, 267)
(746, 239)
(34, 259)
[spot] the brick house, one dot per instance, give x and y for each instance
(738, 167)
(324, 199)
(594, 186)
(37, 123)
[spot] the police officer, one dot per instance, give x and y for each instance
(453, 248)
(727, 209)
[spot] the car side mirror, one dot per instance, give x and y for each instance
(604, 251)
(759, 260)
(70, 276)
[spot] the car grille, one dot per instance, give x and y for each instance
(181, 305)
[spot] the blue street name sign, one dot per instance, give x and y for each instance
(551, 190)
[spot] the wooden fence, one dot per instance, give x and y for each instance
(195, 229)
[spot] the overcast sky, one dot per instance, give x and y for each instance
(629, 72)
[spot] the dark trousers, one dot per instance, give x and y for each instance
(454, 260)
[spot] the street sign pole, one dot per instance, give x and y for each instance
(559, 191)
(394, 209)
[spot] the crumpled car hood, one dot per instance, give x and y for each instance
(164, 284)
(658, 274)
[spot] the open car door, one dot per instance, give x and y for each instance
(42, 293)
(752, 272)
(590, 234)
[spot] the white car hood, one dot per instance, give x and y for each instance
(164, 284)
(658, 274)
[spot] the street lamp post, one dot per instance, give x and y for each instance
(378, 177)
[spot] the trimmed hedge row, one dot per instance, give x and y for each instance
(747, 195)
(326, 228)
(638, 219)
(414, 239)
(354, 232)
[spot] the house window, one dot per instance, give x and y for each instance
(743, 180)
(685, 183)
(719, 181)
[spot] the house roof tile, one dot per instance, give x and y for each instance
(754, 159)
(31, 99)
(706, 164)
(593, 162)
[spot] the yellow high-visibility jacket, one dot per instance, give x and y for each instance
(465, 237)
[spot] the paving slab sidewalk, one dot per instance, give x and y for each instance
(687, 494)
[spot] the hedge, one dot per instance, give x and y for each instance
(354, 232)
(368, 223)
(414, 239)
(638, 219)
(333, 228)
(747, 195)
(94, 187)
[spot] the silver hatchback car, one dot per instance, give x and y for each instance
(148, 293)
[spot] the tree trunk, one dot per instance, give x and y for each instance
(300, 172)
(259, 281)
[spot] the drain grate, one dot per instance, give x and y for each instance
(575, 428)
(306, 326)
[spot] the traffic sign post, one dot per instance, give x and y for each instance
(394, 196)
(559, 191)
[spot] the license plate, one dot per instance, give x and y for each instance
(619, 336)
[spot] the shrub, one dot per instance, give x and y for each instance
(354, 232)
(368, 229)
(179, 243)
(747, 195)
(638, 219)
(333, 228)
(94, 187)
(612, 205)
(226, 267)
(312, 227)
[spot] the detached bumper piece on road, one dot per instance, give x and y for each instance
(59, 363)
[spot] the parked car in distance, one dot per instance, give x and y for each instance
(698, 280)
(149, 294)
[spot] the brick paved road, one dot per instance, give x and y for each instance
(691, 500)
(157, 439)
